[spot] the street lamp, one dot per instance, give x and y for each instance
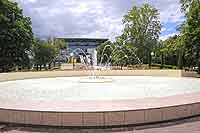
(151, 58)
(152, 54)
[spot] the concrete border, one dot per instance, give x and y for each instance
(105, 113)
(51, 74)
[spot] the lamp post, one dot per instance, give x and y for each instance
(152, 54)
(151, 59)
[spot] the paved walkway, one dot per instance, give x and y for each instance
(191, 125)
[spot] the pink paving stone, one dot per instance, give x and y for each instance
(72, 119)
(16, 116)
(54, 119)
(175, 112)
(102, 106)
(33, 118)
(93, 119)
(135, 117)
(170, 107)
(153, 115)
(4, 115)
(114, 118)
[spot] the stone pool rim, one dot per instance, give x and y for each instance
(187, 105)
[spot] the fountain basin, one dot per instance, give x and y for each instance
(32, 104)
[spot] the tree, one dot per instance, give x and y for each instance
(171, 51)
(117, 53)
(185, 5)
(142, 29)
(191, 31)
(16, 36)
(125, 53)
(160, 51)
(104, 52)
(180, 51)
(60, 44)
(44, 53)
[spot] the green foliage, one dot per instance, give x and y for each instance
(117, 53)
(185, 5)
(125, 53)
(16, 36)
(44, 52)
(104, 52)
(140, 35)
(171, 51)
(58, 43)
(191, 32)
(142, 29)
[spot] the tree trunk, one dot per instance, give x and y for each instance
(198, 69)
(198, 66)
(49, 66)
(162, 60)
(198, 61)
(180, 59)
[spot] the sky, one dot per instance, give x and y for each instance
(93, 18)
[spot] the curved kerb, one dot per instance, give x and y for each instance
(99, 113)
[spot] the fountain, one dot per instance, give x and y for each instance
(90, 98)
(94, 78)
(92, 64)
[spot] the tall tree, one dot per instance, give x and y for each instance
(117, 53)
(16, 36)
(171, 51)
(185, 5)
(43, 53)
(142, 29)
(191, 31)
(104, 52)
(60, 44)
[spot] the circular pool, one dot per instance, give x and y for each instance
(70, 89)
(127, 100)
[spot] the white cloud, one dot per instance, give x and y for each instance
(114, 28)
(96, 18)
(164, 37)
(169, 10)
(55, 11)
(32, 1)
(163, 29)
(80, 8)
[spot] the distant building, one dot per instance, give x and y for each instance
(80, 47)
(83, 43)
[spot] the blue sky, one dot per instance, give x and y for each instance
(93, 18)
